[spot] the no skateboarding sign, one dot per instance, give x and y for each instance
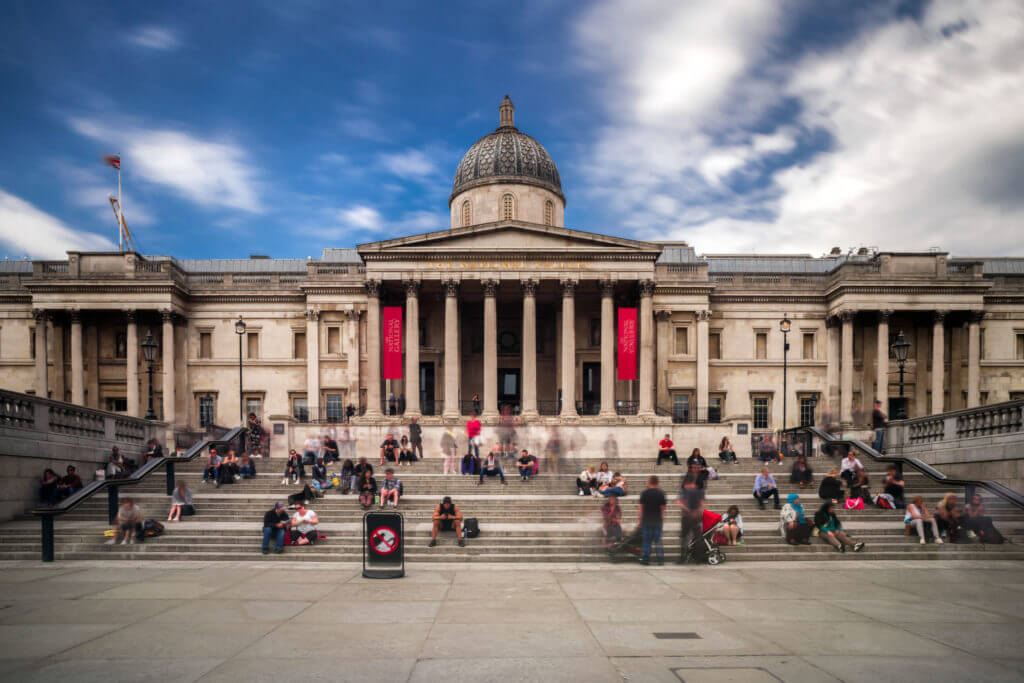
(383, 545)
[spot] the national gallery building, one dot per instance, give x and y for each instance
(509, 310)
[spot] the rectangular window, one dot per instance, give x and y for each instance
(333, 340)
(32, 342)
(252, 340)
(808, 407)
(681, 408)
(682, 341)
(595, 331)
(423, 332)
(808, 350)
(981, 343)
(715, 345)
(1016, 395)
(759, 411)
(254, 404)
(121, 345)
(117, 405)
(1019, 356)
(207, 413)
(335, 407)
(206, 344)
(715, 409)
(761, 345)
(299, 345)
(300, 408)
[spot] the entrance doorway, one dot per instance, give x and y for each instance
(427, 388)
(508, 389)
(591, 403)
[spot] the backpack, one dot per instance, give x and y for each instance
(471, 528)
(885, 501)
(712, 473)
(152, 528)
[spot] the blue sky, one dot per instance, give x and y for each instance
(740, 127)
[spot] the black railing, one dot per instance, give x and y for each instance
(112, 486)
(627, 407)
(471, 406)
(970, 485)
(588, 407)
(690, 416)
(325, 415)
(549, 407)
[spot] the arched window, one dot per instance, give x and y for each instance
(549, 212)
(508, 207)
(467, 214)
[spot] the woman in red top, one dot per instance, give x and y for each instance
(473, 434)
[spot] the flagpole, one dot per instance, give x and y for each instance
(120, 206)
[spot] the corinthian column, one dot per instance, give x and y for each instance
(77, 360)
(662, 334)
(132, 365)
(373, 348)
(529, 348)
(646, 348)
(568, 349)
(846, 370)
(703, 318)
(451, 349)
(412, 348)
(42, 370)
(313, 363)
(938, 360)
(490, 288)
(882, 360)
(974, 359)
(607, 348)
(167, 317)
(352, 356)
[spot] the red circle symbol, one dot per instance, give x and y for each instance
(383, 540)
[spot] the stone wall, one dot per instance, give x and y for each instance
(36, 434)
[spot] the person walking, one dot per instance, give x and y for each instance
(878, 419)
(652, 518)
(416, 438)
(473, 435)
(450, 450)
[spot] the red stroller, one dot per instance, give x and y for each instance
(703, 547)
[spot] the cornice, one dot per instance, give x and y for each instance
(676, 290)
(512, 255)
(106, 288)
(251, 298)
(15, 298)
(840, 288)
(766, 299)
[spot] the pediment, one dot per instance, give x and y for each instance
(510, 237)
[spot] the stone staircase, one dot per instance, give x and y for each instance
(540, 520)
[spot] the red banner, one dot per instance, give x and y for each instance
(392, 342)
(627, 343)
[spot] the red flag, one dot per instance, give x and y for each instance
(113, 160)
(627, 343)
(392, 342)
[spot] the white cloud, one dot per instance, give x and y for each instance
(361, 223)
(360, 217)
(926, 123)
(207, 172)
(410, 164)
(25, 230)
(154, 38)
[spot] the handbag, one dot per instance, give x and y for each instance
(854, 504)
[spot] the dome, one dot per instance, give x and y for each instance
(506, 156)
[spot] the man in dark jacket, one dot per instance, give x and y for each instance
(275, 522)
(69, 483)
(416, 438)
(389, 450)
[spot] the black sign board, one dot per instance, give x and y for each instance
(278, 428)
(383, 545)
(741, 427)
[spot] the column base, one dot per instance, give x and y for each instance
(529, 415)
(412, 413)
(607, 413)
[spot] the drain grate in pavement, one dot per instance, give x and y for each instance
(677, 635)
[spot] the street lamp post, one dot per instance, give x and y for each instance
(900, 348)
(240, 331)
(149, 352)
(785, 326)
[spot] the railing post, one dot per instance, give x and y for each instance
(170, 477)
(112, 504)
(47, 538)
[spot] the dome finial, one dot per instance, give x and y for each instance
(505, 110)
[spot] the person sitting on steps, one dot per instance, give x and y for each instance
(603, 476)
(725, 451)
(802, 475)
(212, 469)
(181, 503)
(795, 527)
(490, 468)
(732, 526)
(388, 450)
(303, 525)
(128, 524)
(587, 481)
(447, 517)
(293, 468)
(894, 485)
(765, 488)
(979, 525)
(831, 487)
(390, 489)
(367, 489)
(526, 464)
(357, 472)
(830, 529)
(616, 487)
(917, 516)
(666, 451)
(247, 466)
(275, 522)
(849, 468)
(698, 467)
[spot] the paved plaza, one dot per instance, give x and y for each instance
(272, 621)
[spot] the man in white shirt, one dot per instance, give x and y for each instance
(491, 468)
(849, 468)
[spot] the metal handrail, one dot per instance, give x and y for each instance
(46, 515)
(924, 468)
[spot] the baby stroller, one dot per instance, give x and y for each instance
(625, 547)
(703, 547)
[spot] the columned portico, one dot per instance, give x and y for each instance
(529, 348)
(412, 348)
(846, 369)
(938, 360)
(607, 348)
(882, 359)
(646, 407)
(132, 364)
(568, 349)
(452, 357)
(373, 350)
(77, 359)
(490, 289)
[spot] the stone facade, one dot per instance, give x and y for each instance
(521, 313)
